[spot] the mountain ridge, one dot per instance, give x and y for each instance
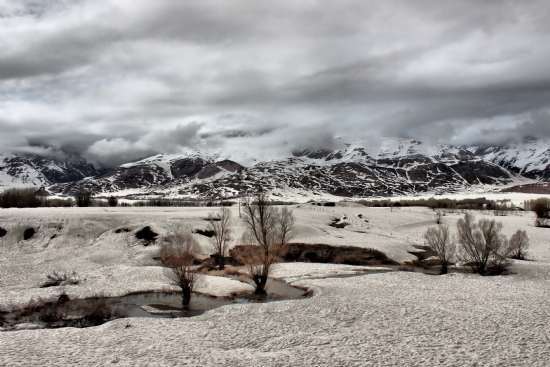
(360, 168)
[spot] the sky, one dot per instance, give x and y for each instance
(121, 80)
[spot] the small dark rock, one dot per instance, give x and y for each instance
(206, 233)
(29, 232)
(125, 230)
(147, 235)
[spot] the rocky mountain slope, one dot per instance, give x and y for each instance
(366, 168)
(376, 167)
(18, 171)
(530, 159)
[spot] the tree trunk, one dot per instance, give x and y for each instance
(260, 282)
(185, 295)
(221, 263)
(444, 269)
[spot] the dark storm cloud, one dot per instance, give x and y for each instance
(119, 80)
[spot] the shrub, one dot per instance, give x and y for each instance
(518, 245)
(482, 245)
(56, 279)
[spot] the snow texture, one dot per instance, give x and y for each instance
(384, 318)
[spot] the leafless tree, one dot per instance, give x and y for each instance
(518, 245)
(178, 252)
(268, 228)
(442, 242)
(220, 224)
(482, 245)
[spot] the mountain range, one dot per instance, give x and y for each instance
(367, 168)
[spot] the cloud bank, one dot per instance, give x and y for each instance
(119, 80)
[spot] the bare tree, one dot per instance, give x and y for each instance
(220, 224)
(268, 228)
(518, 245)
(442, 242)
(178, 252)
(482, 245)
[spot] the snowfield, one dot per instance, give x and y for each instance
(384, 318)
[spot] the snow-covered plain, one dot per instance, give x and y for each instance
(385, 318)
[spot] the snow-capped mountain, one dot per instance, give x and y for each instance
(365, 168)
(370, 167)
(530, 159)
(19, 171)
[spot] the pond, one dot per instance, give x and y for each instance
(92, 312)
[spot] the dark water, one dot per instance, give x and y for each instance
(96, 311)
(171, 305)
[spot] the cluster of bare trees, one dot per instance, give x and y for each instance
(267, 231)
(479, 245)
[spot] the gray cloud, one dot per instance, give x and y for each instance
(118, 80)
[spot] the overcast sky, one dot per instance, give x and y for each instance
(123, 79)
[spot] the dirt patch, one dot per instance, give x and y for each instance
(147, 235)
(321, 253)
(336, 223)
(349, 255)
(206, 232)
(28, 234)
(3, 232)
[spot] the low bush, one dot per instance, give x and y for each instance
(57, 279)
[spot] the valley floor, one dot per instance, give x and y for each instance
(389, 318)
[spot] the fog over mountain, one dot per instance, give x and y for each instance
(118, 81)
